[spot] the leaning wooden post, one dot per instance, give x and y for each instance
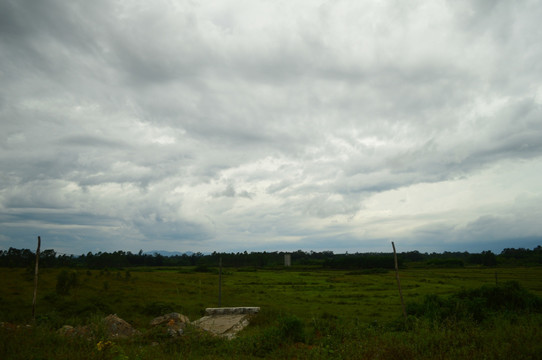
(399, 282)
(220, 282)
(36, 280)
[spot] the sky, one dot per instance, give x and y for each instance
(251, 125)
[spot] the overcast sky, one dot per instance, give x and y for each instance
(270, 125)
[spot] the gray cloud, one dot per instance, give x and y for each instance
(268, 126)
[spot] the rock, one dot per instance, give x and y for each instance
(117, 327)
(66, 330)
(82, 331)
(174, 323)
(10, 326)
(176, 317)
(232, 310)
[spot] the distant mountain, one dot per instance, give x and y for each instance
(167, 253)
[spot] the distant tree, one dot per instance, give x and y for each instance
(412, 256)
(489, 258)
(47, 258)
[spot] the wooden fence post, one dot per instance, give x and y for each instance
(399, 282)
(36, 280)
(220, 282)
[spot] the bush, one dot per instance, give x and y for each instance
(508, 297)
(203, 269)
(477, 304)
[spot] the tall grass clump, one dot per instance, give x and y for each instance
(291, 329)
(66, 281)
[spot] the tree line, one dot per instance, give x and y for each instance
(325, 259)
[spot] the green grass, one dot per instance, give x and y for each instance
(306, 313)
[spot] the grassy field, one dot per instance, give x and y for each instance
(335, 314)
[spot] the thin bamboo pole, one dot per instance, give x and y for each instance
(36, 280)
(220, 282)
(399, 282)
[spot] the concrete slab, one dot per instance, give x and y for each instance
(226, 322)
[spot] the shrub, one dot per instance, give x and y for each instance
(507, 297)
(201, 268)
(477, 304)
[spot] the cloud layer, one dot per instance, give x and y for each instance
(255, 125)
